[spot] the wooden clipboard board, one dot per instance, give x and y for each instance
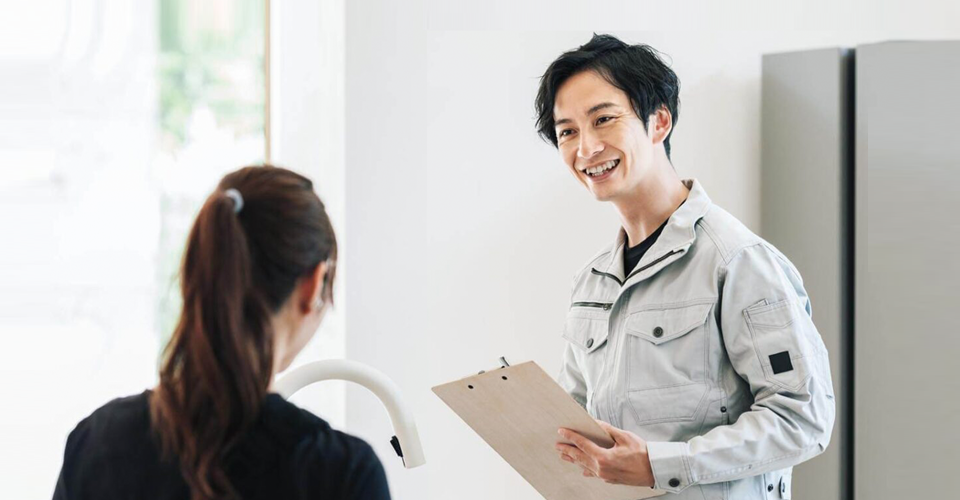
(517, 411)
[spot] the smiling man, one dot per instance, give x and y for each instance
(689, 337)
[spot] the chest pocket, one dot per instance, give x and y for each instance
(586, 325)
(586, 329)
(665, 359)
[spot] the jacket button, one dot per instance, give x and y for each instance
(674, 483)
(723, 409)
(769, 487)
(658, 332)
(589, 343)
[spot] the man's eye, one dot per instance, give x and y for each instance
(603, 119)
(565, 132)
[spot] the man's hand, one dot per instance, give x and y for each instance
(625, 463)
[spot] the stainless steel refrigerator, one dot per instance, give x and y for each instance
(860, 181)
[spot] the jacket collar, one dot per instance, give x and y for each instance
(676, 237)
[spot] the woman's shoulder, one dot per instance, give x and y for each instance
(324, 454)
(114, 435)
(298, 428)
(286, 439)
(116, 422)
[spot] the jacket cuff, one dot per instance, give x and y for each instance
(669, 464)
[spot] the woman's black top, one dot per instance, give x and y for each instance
(288, 454)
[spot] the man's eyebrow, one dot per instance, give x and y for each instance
(598, 107)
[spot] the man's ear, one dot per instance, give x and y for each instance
(309, 288)
(660, 124)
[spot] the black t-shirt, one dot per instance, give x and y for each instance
(289, 453)
(632, 255)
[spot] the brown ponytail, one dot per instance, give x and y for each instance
(239, 267)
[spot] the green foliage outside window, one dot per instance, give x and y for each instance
(210, 63)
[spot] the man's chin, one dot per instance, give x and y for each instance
(602, 195)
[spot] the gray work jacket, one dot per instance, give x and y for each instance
(707, 350)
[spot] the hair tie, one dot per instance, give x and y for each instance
(237, 198)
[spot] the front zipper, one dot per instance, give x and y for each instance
(619, 345)
(600, 305)
(607, 275)
(634, 273)
(658, 260)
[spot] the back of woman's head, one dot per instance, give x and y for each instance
(260, 231)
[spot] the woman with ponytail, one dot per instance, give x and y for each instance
(257, 277)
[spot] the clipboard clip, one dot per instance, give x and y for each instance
(503, 364)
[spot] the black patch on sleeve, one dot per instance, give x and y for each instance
(781, 362)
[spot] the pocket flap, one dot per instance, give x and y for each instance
(782, 342)
(662, 325)
(586, 329)
(777, 315)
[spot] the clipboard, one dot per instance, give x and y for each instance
(517, 411)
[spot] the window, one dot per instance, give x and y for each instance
(116, 121)
(210, 75)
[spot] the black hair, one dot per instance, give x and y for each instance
(637, 70)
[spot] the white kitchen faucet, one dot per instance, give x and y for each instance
(406, 441)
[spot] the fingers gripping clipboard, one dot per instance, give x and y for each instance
(517, 411)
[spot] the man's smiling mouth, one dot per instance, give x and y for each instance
(601, 169)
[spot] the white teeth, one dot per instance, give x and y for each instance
(599, 169)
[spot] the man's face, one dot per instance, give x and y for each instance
(600, 137)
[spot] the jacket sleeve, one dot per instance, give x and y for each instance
(772, 343)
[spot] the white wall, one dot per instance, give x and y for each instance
(465, 228)
(79, 219)
(307, 133)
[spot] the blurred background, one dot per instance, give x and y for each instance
(117, 119)
(460, 229)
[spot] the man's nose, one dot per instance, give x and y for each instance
(590, 145)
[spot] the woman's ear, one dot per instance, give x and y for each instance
(310, 288)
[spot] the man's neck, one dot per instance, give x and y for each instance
(652, 203)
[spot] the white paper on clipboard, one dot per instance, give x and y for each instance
(517, 411)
